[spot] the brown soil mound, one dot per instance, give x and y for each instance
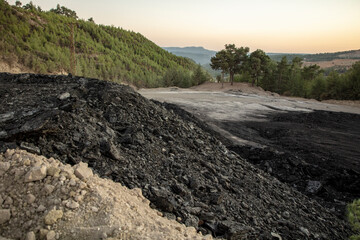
(13, 68)
(50, 200)
(16, 67)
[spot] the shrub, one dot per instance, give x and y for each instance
(354, 218)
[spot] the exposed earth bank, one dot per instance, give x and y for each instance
(182, 168)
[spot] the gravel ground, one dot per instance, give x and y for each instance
(42, 198)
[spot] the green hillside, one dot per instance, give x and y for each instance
(40, 41)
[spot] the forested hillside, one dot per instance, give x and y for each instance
(40, 40)
(289, 78)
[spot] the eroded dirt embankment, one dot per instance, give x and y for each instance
(184, 170)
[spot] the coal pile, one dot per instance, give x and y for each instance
(315, 152)
(184, 171)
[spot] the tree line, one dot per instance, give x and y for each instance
(285, 77)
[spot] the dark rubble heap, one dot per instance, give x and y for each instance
(183, 170)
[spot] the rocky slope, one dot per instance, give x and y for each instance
(51, 200)
(183, 170)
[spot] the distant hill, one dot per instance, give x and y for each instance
(318, 57)
(338, 61)
(290, 56)
(203, 56)
(199, 54)
(40, 40)
(353, 54)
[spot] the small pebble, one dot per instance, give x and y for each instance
(72, 204)
(30, 236)
(51, 235)
(30, 198)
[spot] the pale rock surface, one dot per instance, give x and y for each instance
(35, 174)
(5, 215)
(82, 171)
(30, 236)
(53, 216)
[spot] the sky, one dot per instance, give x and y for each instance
(282, 26)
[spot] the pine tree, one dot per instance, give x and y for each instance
(231, 60)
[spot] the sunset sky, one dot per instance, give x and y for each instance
(291, 26)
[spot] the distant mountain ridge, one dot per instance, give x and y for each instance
(202, 56)
(199, 55)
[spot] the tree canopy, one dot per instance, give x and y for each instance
(64, 11)
(286, 77)
(258, 63)
(230, 60)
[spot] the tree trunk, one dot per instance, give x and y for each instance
(222, 79)
(257, 80)
(232, 78)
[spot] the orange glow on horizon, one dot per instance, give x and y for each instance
(297, 26)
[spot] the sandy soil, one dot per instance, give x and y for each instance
(16, 68)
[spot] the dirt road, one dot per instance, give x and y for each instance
(234, 105)
(310, 145)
